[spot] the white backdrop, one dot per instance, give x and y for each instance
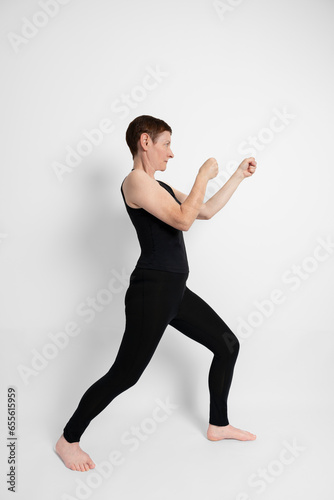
(234, 79)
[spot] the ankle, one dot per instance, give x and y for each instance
(219, 426)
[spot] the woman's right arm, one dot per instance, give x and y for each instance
(148, 194)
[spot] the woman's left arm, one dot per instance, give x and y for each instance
(246, 168)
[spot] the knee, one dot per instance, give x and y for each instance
(230, 344)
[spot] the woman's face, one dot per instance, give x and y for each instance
(160, 151)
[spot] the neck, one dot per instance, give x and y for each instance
(140, 163)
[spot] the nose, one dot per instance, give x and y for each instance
(171, 154)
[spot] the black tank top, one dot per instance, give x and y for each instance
(162, 245)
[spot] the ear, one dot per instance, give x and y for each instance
(144, 141)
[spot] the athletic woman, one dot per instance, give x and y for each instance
(157, 295)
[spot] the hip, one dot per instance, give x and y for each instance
(157, 275)
(155, 289)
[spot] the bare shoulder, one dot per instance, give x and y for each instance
(131, 179)
(136, 178)
(136, 181)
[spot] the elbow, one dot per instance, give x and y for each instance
(183, 226)
(186, 227)
(181, 222)
(205, 216)
(205, 213)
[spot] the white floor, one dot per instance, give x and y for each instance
(177, 461)
(291, 458)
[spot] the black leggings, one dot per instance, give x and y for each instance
(153, 300)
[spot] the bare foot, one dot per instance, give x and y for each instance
(73, 456)
(216, 433)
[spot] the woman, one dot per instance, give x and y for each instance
(157, 294)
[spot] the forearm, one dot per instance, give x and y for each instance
(219, 199)
(191, 207)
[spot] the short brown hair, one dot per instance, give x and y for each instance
(144, 124)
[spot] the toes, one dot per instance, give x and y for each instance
(86, 467)
(91, 465)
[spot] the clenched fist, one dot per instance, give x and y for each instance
(210, 168)
(247, 167)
